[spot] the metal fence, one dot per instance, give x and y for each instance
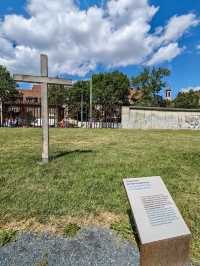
(28, 114)
(103, 116)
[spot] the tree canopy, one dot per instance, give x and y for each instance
(7, 85)
(151, 81)
(111, 88)
(57, 94)
(78, 90)
(188, 100)
(108, 88)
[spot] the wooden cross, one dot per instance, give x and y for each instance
(44, 80)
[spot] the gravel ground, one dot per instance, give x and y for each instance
(91, 247)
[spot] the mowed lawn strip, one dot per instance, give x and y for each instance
(85, 175)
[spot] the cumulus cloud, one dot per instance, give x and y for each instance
(193, 88)
(127, 11)
(117, 33)
(166, 53)
(6, 48)
(178, 25)
(166, 38)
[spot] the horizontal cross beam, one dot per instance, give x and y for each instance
(38, 79)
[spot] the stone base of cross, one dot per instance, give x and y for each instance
(44, 80)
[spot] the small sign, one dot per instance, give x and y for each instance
(156, 214)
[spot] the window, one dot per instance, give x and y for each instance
(32, 99)
(168, 94)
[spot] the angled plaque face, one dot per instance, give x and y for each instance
(155, 213)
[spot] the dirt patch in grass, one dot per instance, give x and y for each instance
(57, 225)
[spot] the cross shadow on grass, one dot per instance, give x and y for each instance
(64, 153)
(133, 226)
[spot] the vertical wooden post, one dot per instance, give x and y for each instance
(91, 102)
(45, 112)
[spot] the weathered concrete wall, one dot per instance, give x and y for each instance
(160, 118)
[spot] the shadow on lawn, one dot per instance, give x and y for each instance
(134, 228)
(64, 153)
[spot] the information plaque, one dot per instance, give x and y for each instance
(164, 235)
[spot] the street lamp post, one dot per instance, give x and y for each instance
(1, 107)
(81, 108)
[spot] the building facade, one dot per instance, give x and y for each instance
(31, 96)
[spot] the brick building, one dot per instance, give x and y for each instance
(31, 96)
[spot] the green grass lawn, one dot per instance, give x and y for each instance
(85, 177)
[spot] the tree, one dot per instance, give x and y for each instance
(111, 88)
(57, 94)
(187, 100)
(78, 100)
(7, 85)
(108, 88)
(150, 82)
(78, 90)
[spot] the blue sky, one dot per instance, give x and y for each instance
(185, 66)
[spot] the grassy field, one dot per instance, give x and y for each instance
(83, 183)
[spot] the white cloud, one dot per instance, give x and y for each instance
(115, 34)
(6, 48)
(193, 88)
(25, 60)
(178, 25)
(36, 7)
(198, 47)
(166, 39)
(166, 53)
(126, 11)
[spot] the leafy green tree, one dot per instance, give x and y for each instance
(108, 88)
(187, 100)
(78, 90)
(151, 82)
(57, 94)
(77, 95)
(111, 88)
(7, 85)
